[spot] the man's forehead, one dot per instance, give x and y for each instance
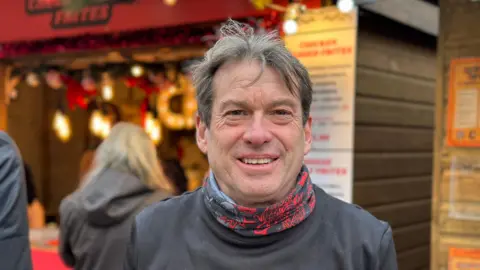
(238, 72)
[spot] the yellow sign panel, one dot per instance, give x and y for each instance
(325, 37)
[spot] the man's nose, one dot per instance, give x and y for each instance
(257, 132)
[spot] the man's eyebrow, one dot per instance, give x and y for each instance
(282, 102)
(243, 104)
(230, 102)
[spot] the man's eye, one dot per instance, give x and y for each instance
(237, 112)
(282, 112)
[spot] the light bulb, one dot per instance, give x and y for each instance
(32, 79)
(345, 6)
(88, 83)
(149, 122)
(64, 133)
(290, 27)
(59, 120)
(107, 92)
(155, 132)
(137, 70)
(96, 123)
(105, 128)
(170, 2)
(61, 126)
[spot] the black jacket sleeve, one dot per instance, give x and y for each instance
(14, 241)
(387, 255)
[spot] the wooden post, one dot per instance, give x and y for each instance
(456, 195)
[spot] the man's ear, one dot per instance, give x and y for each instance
(307, 129)
(201, 134)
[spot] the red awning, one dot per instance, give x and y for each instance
(27, 20)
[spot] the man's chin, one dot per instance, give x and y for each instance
(257, 199)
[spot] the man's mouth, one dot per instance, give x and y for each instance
(257, 161)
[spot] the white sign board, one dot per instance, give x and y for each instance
(326, 44)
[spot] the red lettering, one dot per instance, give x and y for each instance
(38, 5)
(318, 43)
(321, 137)
(331, 171)
(317, 161)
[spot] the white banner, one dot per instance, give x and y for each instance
(326, 44)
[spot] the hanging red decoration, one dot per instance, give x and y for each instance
(164, 37)
(143, 110)
(76, 94)
(142, 83)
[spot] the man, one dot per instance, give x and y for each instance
(258, 209)
(14, 242)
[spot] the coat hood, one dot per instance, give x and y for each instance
(113, 197)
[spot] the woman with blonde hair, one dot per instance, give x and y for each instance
(95, 220)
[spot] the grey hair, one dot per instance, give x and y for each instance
(239, 42)
(129, 149)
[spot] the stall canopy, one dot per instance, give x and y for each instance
(28, 20)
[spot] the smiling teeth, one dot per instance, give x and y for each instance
(257, 160)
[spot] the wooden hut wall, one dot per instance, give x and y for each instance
(394, 122)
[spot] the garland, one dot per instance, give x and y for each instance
(164, 37)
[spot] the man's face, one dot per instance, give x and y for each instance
(256, 140)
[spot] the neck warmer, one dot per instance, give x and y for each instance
(249, 221)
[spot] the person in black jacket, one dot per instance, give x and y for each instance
(14, 241)
(36, 211)
(124, 178)
(258, 208)
(174, 171)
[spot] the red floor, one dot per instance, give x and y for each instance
(47, 260)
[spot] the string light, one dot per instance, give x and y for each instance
(32, 79)
(107, 92)
(105, 128)
(107, 86)
(96, 122)
(345, 6)
(100, 124)
(153, 128)
(290, 27)
(156, 132)
(149, 122)
(292, 13)
(137, 71)
(170, 2)
(61, 126)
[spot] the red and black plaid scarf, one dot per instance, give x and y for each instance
(278, 217)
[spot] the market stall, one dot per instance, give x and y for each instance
(72, 89)
(71, 72)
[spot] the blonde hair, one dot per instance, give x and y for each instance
(129, 149)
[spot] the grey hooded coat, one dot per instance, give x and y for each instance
(95, 220)
(14, 242)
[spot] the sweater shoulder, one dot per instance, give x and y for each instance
(350, 222)
(168, 211)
